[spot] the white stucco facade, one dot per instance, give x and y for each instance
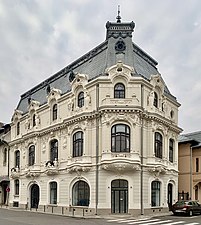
(135, 169)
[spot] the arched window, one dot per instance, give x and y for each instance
(18, 128)
(81, 194)
(171, 150)
(53, 192)
(17, 159)
(155, 100)
(54, 112)
(158, 145)
(78, 144)
(120, 138)
(17, 187)
(80, 101)
(53, 150)
(155, 193)
(31, 155)
(119, 91)
(34, 120)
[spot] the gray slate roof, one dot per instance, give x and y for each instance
(95, 62)
(194, 138)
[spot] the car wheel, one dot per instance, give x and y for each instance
(190, 213)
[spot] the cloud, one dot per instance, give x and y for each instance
(38, 38)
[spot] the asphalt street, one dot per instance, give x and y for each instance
(17, 217)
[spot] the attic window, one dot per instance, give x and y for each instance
(119, 69)
(120, 46)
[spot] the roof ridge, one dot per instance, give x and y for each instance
(192, 133)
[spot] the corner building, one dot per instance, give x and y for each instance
(99, 136)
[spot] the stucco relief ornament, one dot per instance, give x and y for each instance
(157, 171)
(150, 100)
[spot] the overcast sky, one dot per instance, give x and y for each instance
(40, 37)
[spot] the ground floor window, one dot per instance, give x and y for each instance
(81, 194)
(155, 193)
(53, 193)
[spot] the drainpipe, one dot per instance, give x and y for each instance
(97, 146)
(142, 154)
(191, 172)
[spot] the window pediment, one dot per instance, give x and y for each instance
(54, 95)
(17, 115)
(33, 106)
(157, 82)
(120, 69)
(80, 80)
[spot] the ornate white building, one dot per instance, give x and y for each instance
(99, 136)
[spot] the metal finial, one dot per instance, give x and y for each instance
(118, 17)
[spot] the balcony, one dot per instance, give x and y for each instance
(52, 167)
(79, 164)
(120, 161)
(15, 172)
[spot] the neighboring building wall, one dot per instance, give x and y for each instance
(184, 165)
(4, 163)
(190, 165)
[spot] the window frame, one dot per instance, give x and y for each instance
(78, 143)
(5, 156)
(197, 165)
(80, 193)
(54, 144)
(120, 141)
(158, 145)
(80, 99)
(17, 186)
(53, 192)
(119, 90)
(155, 103)
(54, 112)
(155, 193)
(18, 128)
(17, 159)
(171, 150)
(31, 160)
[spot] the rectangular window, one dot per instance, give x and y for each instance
(5, 157)
(17, 187)
(197, 165)
(53, 193)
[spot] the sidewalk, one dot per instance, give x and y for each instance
(110, 216)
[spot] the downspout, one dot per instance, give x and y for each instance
(191, 172)
(97, 146)
(142, 154)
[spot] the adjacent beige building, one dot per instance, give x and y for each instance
(190, 166)
(99, 136)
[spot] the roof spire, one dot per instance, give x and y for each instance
(118, 17)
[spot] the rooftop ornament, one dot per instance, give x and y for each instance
(118, 17)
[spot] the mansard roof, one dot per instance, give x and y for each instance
(117, 46)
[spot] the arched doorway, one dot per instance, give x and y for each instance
(119, 196)
(170, 190)
(35, 193)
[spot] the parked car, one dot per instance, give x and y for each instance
(188, 207)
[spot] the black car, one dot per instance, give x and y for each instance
(187, 207)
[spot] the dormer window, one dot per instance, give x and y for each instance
(80, 102)
(18, 128)
(119, 91)
(155, 100)
(34, 120)
(54, 112)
